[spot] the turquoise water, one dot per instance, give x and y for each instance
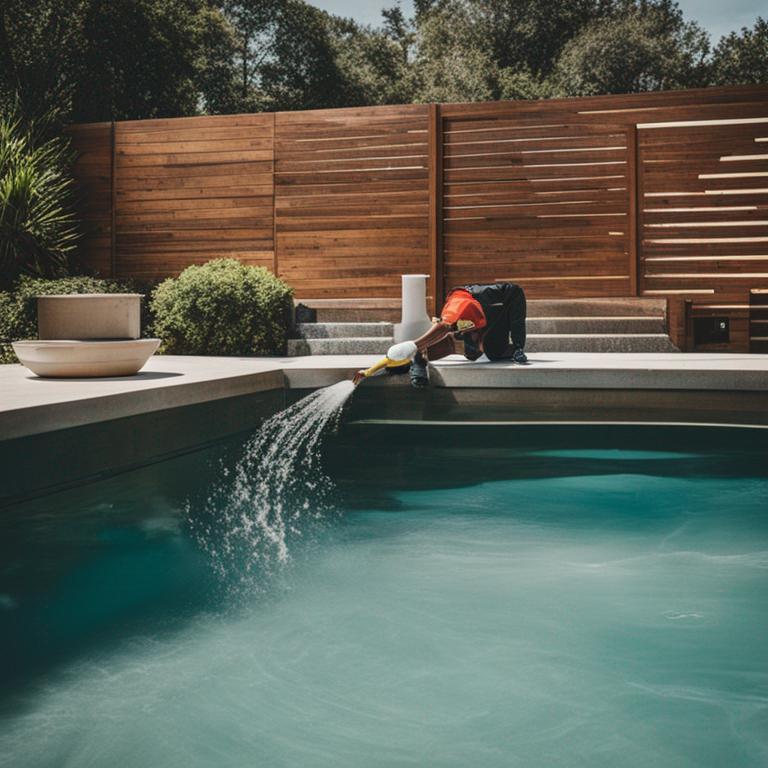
(592, 600)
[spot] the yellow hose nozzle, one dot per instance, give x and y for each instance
(397, 354)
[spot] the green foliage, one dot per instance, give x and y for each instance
(18, 308)
(37, 68)
(283, 57)
(223, 308)
(649, 48)
(373, 65)
(303, 74)
(91, 61)
(485, 50)
(528, 35)
(454, 61)
(254, 34)
(742, 59)
(121, 60)
(37, 229)
(144, 58)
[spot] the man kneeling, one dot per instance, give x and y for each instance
(488, 317)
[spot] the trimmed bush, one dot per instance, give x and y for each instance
(18, 308)
(223, 308)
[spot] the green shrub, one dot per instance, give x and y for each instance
(223, 308)
(38, 230)
(18, 308)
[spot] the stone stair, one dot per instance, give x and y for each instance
(563, 325)
(598, 325)
(339, 338)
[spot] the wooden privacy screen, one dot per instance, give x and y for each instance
(705, 218)
(182, 192)
(351, 200)
(541, 202)
(661, 194)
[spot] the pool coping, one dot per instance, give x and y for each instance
(31, 405)
(57, 434)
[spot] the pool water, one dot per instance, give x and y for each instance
(502, 598)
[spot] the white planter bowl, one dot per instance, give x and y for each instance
(75, 359)
(89, 316)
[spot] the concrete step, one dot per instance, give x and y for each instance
(354, 310)
(603, 325)
(563, 325)
(614, 307)
(377, 345)
(596, 342)
(321, 330)
(389, 310)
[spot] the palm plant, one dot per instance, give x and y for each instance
(38, 229)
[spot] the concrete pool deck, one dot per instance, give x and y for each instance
(31, 405)
(177, 404)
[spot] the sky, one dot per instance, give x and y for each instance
(717, 17)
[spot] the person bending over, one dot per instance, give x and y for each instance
(488, 317)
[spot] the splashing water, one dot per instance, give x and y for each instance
(276, 492)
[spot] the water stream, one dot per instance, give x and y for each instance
(276, 492)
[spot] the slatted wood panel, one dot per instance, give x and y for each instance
(542, 202)
(191, 190)
(352, 200)
(93, 176)
(648, 194)
(705, 216)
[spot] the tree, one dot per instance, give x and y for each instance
(471, 50)
(647, 47)
(302, 73)
(254, 25)
(284, 56)
(143, 59)
(454, 62)
(126, 59)
(37, 67)
(742, 59)
(528, 35)
(373, 64)
(397, 28)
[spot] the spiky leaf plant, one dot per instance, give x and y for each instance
(38, 229)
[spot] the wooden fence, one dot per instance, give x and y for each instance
(661, 194)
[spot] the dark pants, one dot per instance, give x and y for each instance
(504, 306)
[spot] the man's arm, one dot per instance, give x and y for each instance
(439, 330)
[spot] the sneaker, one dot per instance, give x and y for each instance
(419, 375)
(518, 356)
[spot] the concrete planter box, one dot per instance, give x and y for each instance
(89, 316)
(87, 335)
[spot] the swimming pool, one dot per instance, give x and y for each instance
(478, 596)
